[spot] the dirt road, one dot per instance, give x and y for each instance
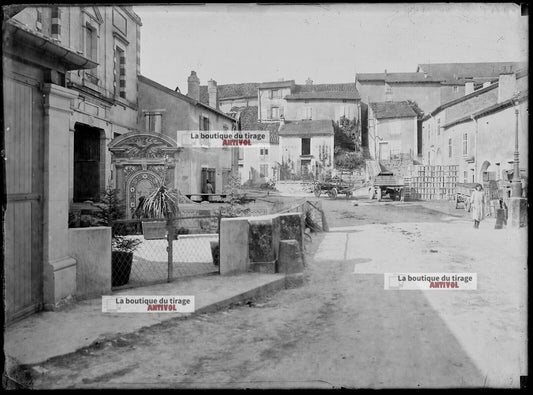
(342, 329)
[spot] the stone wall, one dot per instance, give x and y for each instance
(253, 244)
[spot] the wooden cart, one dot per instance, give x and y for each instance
(333, 187)
(385, 184)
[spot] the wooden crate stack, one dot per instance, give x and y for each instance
(432, 182)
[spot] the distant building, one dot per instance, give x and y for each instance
(165, 111)
(392, 130)
(422, 88)
(476, 131)
(306, 147)
(256, 165)
(230, 95)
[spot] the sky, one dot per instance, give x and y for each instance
(235, 43)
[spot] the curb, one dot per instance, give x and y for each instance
(289, 281)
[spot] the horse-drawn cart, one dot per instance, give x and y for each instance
(333, 187)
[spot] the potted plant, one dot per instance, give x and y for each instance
(162, 203)
(110, 209)
(122, 259)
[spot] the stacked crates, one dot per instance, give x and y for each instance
(432, 182)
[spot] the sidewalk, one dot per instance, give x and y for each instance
(49, 334)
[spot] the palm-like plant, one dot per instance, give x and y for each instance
(161, 203)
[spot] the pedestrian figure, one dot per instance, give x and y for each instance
(477, 205)
(209, 187)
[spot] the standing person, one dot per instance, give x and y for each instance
(209, 187)
(477, 201)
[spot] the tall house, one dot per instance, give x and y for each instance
(106, 106)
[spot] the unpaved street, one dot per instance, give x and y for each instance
(342, 329)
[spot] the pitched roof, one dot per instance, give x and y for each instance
(248, 121)
(346, 91)
(227, 91)
(398, 77)
(392, 109)
(460, 72)
(307, 128)
(488, 110)
(277, 84)
(324, 96)
(181, 96)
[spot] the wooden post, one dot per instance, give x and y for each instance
(170, 239)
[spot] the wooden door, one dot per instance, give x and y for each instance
(23, 112)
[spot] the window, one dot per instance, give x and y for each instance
(465, 176)
(449, 148)
(306, 146)
(438, 126)
(241, 153)
(388, 89)
(203, 123)
(153, 122)
(119, 82)
(465, 144)
(263, 170)
(90, 42)
(429, 131)
(87, 165)
(275, 94)
(455, 89)
(39, 21)
(263, 151)
(308, 113)
(274, 113)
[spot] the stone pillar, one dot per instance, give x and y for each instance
(234, 253)
(517, 212)
(292, 227)
(290, 257)
(59, 270)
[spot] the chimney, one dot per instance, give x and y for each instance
(309, 81)
(212, 90)
(469, 87)
(194, 86)
(506, 86)
(385, 72)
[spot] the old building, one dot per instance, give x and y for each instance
(306, 148)
(230, 95)
(422, 88)
(106, 106)
(38, 57)
(165, 111)
(392, 131)
(458, 78)
(258, 164)
(476, 132)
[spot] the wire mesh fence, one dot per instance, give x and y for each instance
(147, 252)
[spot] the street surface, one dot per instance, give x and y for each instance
(342, 328)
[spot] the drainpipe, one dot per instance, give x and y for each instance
(475, 149)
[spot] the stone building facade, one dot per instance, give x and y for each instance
(476, 132)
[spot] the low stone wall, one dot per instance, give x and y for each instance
(252, 244)
(91, 248)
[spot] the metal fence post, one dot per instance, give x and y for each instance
(170, 239)
(219, 246)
